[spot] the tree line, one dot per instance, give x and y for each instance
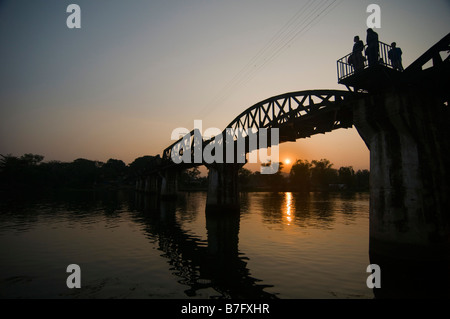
(304, 176)
(29, 171)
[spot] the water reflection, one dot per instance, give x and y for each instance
(289, 208)
(219, 256)
(303, 210)
(212, 264)
(205, 253)
(300, 245)
(22, 214)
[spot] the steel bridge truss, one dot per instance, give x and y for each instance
(279, 119)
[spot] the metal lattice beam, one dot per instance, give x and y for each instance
(297, 115)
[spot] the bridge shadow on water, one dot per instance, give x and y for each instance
(215, 263)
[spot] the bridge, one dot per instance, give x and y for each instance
(402, 116)
(294, 115)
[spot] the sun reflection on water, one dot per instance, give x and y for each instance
(289, 208)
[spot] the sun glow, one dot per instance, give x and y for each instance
(287, 161)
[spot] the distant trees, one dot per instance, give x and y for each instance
(244, 176)
(29, 171)
(257, 181)
(347, 176)
(300, 176)
(114, 168)
(83, 172)
(20, 170)
(143, 164)
(323, 174)
(320, 175)
(362, 179)
(275, 181)
(192, 179)
(306, 176)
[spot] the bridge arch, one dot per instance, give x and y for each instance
(297, 115)
(278, 110)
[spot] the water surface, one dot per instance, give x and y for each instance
(282, 245)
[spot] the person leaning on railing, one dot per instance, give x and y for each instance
(356, 58)
(395, 55)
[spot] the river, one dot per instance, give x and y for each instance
(282, 245)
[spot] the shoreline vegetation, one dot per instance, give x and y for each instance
(30, 172)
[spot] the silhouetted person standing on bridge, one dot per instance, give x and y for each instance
(395, 55)
(357, 57)
(372, 50)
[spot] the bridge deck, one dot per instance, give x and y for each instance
(373, 78)
(383, 75)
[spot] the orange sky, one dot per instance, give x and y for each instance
(136, 70)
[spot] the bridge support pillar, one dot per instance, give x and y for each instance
(140, 184)
(147, 184)
(409, 140)
(152, 184)
(169, 184)
(223, 193)
(223, 231)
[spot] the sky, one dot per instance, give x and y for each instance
(136, 70)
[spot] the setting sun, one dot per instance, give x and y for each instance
(287, 161)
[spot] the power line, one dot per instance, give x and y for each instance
(301, 22)
(303, 30)
(249, 64)
(248, 69)
(285, 40)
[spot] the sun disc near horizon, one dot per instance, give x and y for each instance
(287, 161)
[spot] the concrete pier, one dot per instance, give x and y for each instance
(223, 192)
(409, 140)
(140, 183)
(153, 184)
(169, 184)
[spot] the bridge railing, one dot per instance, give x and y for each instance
(433, 54)
(345, 68)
